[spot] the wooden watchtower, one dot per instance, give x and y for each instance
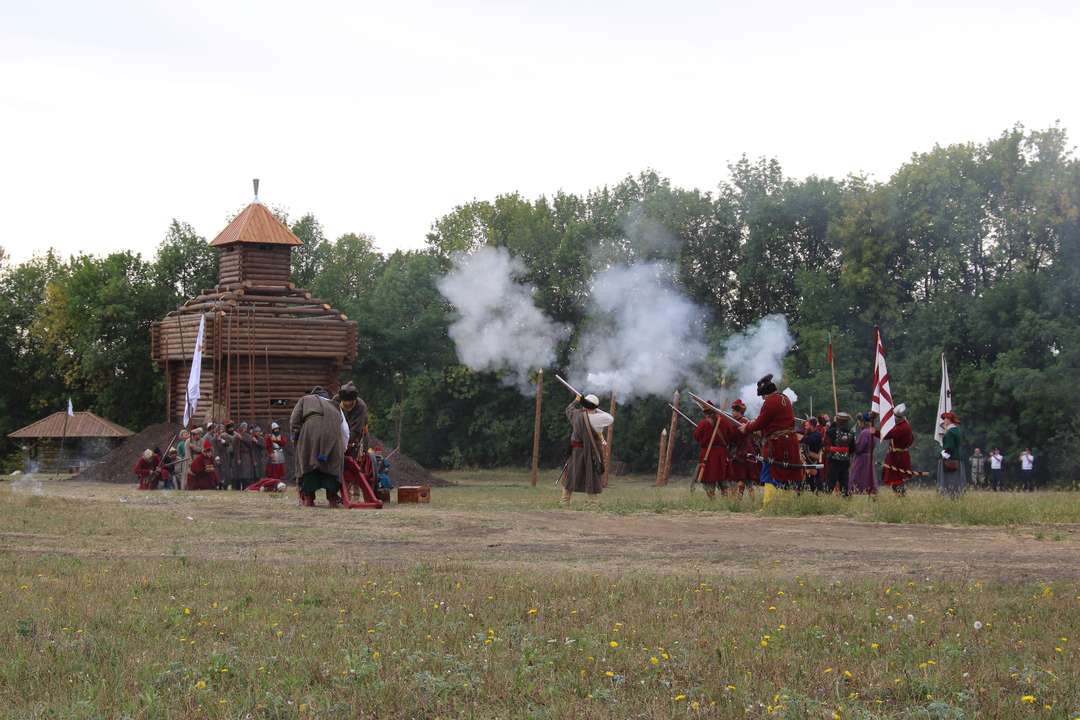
(266, 342)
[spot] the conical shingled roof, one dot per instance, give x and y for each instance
(81, 424)
(256, 224)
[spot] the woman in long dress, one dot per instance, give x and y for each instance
(951, 479)
(861, 478)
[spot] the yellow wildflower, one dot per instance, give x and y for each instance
(201, 685)
(680, 697)
(1029, 699)
(613, 644)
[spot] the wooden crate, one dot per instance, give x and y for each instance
(414, 494)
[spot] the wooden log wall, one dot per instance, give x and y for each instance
(270, 264)
(252, 322)
(243, 390)
(229, 265)
(245, 331)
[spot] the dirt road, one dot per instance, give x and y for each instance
(111, 521)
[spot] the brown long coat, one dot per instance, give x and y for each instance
(580, 476)
(321, 444)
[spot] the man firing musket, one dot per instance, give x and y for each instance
(584, 469)
(780, 449)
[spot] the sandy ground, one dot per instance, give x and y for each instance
(100, 520)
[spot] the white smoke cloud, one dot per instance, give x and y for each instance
(641, 336)
(755, 352)
(499, 328)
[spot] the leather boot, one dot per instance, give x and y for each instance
(307, 500)
(333, 499)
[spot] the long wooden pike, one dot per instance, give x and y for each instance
(902, 471)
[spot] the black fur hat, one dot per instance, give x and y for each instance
(765, 386)
(348, 391)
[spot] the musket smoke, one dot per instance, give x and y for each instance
(641, 336)
(498, 326)
(755, 352)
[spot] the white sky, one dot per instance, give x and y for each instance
(379, 117)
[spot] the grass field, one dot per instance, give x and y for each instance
(118, 604)
(510, 490)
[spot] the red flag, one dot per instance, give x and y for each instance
(881, 400)
(830, 349)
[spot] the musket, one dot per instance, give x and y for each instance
(683, 415)
(706, 404)
(568, 386)
(790, 466)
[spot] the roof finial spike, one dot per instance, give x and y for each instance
(255, 182)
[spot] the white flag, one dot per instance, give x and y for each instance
(191, 400)
(71, 410)
(881, 401)
(944, 403)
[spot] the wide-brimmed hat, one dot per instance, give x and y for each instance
(590, 402)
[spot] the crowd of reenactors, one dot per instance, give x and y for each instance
(241, 456)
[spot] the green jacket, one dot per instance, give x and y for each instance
(951, 442)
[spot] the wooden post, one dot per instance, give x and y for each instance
(169, 381)
(269, 405)
(672, 429)
(228, 366)
(251, 367)
(536, 428)
(660, 460)
(610, 443)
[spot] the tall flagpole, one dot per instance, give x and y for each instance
(63, 436)
(832, 365)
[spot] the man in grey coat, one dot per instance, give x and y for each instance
(320, 435)
(583, 469)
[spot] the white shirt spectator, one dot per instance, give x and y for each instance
(996, 459)
(1027, 461)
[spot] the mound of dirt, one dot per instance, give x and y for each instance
(406, 471)
(118, 465)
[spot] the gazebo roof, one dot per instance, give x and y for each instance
(81, 424)
(256, 224)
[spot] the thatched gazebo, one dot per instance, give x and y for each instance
(67, 443)
(266, 343)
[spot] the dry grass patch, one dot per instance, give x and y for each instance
(178, 638)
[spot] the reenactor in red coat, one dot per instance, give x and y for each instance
(713, 434)
(203, 473)
(780, 446)
(745, 469)
(897, 464)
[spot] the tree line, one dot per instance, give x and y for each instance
(970, 249)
